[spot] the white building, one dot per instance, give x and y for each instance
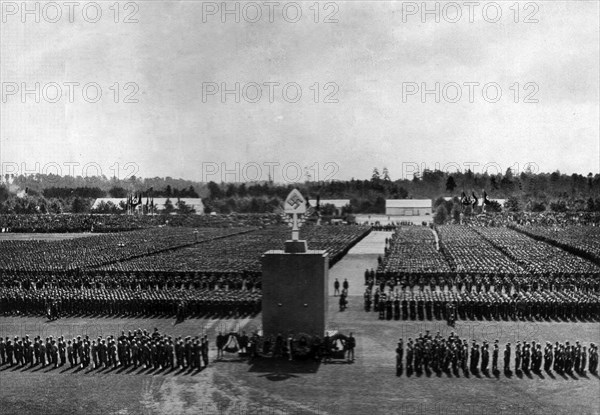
(408, 207)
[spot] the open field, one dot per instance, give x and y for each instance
(233, 387)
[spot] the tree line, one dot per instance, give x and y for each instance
(527, 191)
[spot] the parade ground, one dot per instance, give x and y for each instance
(266, 386)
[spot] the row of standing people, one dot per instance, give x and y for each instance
(128, 302)
(439, 304)
(137, 349)
(437, 353)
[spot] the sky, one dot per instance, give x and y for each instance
(360, 68)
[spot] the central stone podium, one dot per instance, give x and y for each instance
(294, 290)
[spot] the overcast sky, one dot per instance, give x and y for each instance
(368, 57)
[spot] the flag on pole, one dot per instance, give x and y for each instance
(486, 201)
(464, 199)
(475, 200)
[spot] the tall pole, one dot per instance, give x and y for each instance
(295, 229)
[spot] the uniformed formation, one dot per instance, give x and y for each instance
(485, 256)
(427, 353)
(484, 273)
(167, 271)
(535, 256)
(135, 349)
(142, 349)
(57, 302)
(241, 253)
(509, 283)
(91, 252)
(579, 240)
(120, 222)
(412, 305)
(561, 219)
(169, 250)
(72, 223)
(141, 280)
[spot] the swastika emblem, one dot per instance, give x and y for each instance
(295, 203)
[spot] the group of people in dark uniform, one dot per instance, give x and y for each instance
(137, 280)
(133, 294)
(343, 302)
(479, 282)
(427, 353)
(409, 304)
(134, 349)
(84, 222)
(429, 296)
(129, 302)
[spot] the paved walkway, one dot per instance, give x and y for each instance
(362, 256)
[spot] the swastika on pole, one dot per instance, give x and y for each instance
(295, 203)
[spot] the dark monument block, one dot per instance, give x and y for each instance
(295, 247)
(294, 290)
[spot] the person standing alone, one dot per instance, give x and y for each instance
(336, 288)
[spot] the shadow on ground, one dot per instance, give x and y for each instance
(280, 369)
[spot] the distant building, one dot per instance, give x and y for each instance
(159, 203)
(408, 207)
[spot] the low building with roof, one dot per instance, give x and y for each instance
(408, 207)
